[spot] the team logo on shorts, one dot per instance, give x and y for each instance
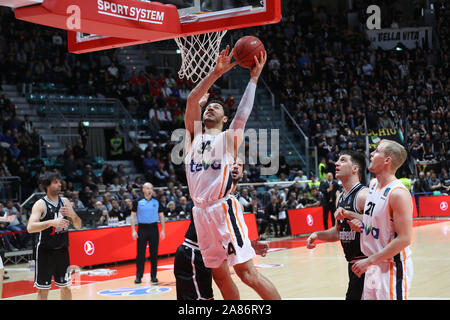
(89, 248)
(133, 291)
(443, 205)
(373, 277)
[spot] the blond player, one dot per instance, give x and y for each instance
(222, 234)
(386, 228)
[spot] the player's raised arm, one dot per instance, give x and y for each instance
(246, 104)
(193, 107)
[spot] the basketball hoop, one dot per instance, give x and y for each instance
(199, 54)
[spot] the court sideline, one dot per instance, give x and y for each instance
(297, 272)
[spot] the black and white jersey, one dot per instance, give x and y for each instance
(52, 238)
(350, 239)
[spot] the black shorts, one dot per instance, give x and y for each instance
(52, 262)
(355, 285)
(193, 279)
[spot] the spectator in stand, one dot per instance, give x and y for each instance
(134, 84)
(150, 165)
(76, 202)
(85, 195)
(184, 93)
(184, 209)
(6, 137)
(137, 184)
(315, 198)
(99, 207)
(15, 225)
(272, 211)
(161, 176)
(116, 211)
(88, 177)
(128, 207)
(300, 176)
(115, 185)
(445, 183)
(245, 200)
(107, 201)
(15, 151)
(92, 201)
(163, 200)
(109, 174)
(421, 185)
(101, 185)
(282, 219)
(328, 188)
(291, 202)
(170, 211)
(79, 152)
(121, 172)
(137, 155)
(165, 119)
(435, 183)
(6, 240)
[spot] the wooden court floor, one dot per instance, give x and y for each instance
(298, 273)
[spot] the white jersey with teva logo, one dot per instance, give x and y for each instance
(378, 223)
(208, 168)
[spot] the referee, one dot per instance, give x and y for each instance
(148, 213)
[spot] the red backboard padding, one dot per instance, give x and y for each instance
(128, 19)
(124, 27)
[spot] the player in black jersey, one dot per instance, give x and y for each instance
(193, 278)
(350, 170)
(51, 216)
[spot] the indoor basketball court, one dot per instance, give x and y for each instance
(298, 273)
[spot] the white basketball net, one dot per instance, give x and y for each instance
(199, 54)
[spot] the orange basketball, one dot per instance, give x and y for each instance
(245, 49)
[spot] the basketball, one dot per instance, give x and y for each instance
(245, 49)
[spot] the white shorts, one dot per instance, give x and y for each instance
(388, 280)
(222, 233)
(1, 264)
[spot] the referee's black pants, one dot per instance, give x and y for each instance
(147, 233)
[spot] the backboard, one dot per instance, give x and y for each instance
(117, 23)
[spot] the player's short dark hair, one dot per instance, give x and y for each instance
(47, 178)
(357, 158)
(224, 106)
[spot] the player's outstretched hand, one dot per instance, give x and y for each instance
(60, 223)
(310, 241)
(339, 214)
(224, 61)
(260, 61)
(355, 224)
(261, 248)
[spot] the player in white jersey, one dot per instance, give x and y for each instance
(386, 228)
(222, 234)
